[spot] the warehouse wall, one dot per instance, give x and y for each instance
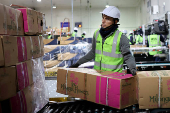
(143, 13)
(91, 20)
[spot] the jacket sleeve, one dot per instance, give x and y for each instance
(128, 58)
(90, 55)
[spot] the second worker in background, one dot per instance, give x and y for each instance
(110, 48)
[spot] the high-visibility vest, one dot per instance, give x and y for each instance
(154, 41)
(49, 36)
(73, 34)
(108, 56)
(129, 39)
(139, 39)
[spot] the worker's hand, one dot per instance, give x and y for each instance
(133, 72)
(76, 65)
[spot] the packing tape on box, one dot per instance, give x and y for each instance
(5, 20)
(23, 51)
(39, 44)
(66, 81)
(31, 46)
(16, 20)
(107, 91)
(159, 100)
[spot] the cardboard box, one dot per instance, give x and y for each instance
(11, 21)
(30, 21)
(66, 56)
(116, 90)
(44, 24)
(40, 23)
(66, 42)
(137, 46)
(22, 102)
(1, 54)
(63, 38)
(51, 63)
(18, 49)
(17, 78)
(149, 92)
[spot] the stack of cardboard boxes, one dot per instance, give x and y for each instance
(22, 82)
(150, 89)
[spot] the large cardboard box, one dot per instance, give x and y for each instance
(153, 89)
(44, 24)
(21, 102)
(108, 88)
(66, 42)
(136, 47)
(1, 54)
(17, 78)
(30, 21)
(11, 21)
(51, 63)
(63, 38)
(18, 49)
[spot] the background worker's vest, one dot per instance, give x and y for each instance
(49, 37)
(129, 39)
(139, 39)
(154, 41)
(108, 56)
(73, 34)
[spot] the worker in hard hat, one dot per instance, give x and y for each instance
(124, 32)
(68, 34)
(110, 48)
(83, 35)
(49, 35)
(130, 37)
(139, 38)
(74, 34)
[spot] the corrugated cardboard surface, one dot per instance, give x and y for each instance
(18, 49)
(1, 54)
(148, 90)
(40, 22)
(49, 64)
(22, 102)
(11, 21)
(66, 56)
(66, 42)
(30, 21)
(49, 48)
(91, 85)
(8, 82)
(137, 46)
(63, 38)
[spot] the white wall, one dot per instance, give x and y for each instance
(89, 23)
(145, 17)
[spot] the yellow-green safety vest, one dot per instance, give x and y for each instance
(73, 34)
(154, 41)
(129, 39)
(139, 39)
(49, 37)
(108, 56)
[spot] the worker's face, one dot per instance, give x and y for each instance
(107, 21)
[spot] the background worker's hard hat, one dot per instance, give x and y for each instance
(84, 32)
(131, 32)
(124, 31)
(112, 11)
(49, 33)
(76, 28)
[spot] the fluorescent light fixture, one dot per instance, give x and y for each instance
(38, 0)
(107, 5)
(54, 7)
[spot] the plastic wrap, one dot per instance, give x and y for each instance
(40, 94)
(66, 55)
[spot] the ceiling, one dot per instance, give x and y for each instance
(67, 3)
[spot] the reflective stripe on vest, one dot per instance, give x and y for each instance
(108, 58)
(112, 54)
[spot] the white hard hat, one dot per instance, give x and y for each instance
(112, 11)
(84, 32)
(131, 32)
(49, 33)
(76, 28)
(124, 31)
